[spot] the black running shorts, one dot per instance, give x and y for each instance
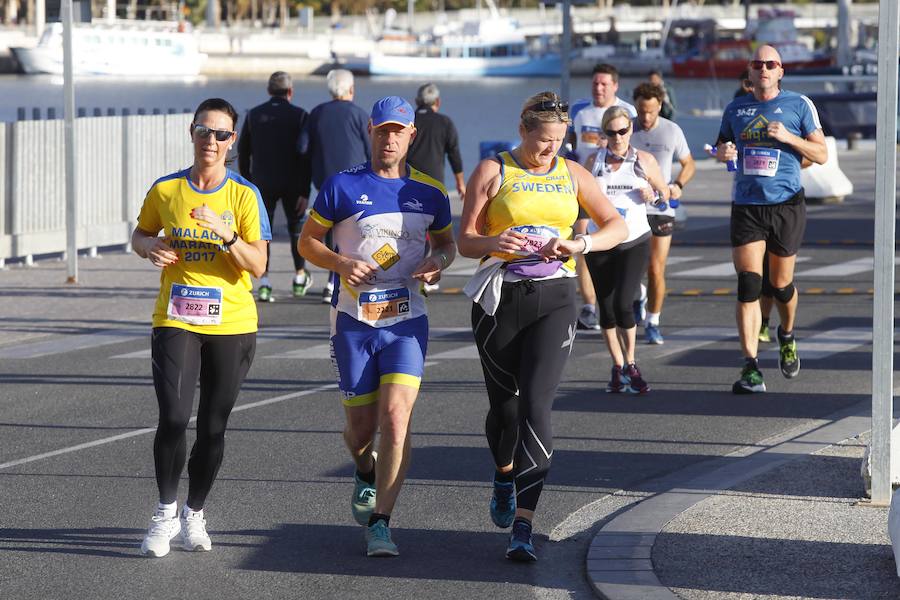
(781, 226)
(661, 225)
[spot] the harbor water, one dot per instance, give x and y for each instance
(482, 109)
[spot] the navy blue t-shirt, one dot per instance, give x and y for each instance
(335, 138)
(768, 170)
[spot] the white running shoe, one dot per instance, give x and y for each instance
(193, 531)
(162, 529)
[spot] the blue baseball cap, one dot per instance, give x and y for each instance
(393, 109)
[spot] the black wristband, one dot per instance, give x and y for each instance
(678, 183)
(233, 240)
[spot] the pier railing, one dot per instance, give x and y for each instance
(117, 159)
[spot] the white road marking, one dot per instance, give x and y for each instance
(723, 269)
(137, 432)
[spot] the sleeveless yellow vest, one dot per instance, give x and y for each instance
(524, 198)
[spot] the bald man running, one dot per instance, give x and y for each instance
(770, 133)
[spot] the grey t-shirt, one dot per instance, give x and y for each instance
(666, 142)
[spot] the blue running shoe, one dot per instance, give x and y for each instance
(521, 549)
(503, 504)
(651, 332)
(378, 540)
(640, 310)
(362, 503)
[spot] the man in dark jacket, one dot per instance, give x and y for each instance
(268, 156)
(436, 137)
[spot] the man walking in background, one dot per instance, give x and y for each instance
(335, 138)
(268, 156)
(436, 137)
(666, 142)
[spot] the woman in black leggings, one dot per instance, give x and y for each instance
(631, 178)
(204, 322)
(518, 215)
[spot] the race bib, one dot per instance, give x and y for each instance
(761, 161)
(590, 135)
(536, 236)
(384, 307)
(195, 305)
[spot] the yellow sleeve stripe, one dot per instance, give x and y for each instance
(443, 229)
(353, 294)
(362, 399)
(320, 219)
(402, 379)
(421, 177)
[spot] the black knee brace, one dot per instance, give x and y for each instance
(749, 286)
(784, 294)
(767, 289)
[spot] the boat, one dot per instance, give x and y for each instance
(727, 58)
(121, 50)
(491, 47)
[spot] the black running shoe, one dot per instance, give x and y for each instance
(788, 359)
(751, 381)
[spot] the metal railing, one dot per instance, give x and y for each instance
(117, 159)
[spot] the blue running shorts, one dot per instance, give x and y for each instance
(365, 357)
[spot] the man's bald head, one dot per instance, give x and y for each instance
(766, 52)
(766, 72)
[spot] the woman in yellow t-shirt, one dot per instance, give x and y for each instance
(204, 322)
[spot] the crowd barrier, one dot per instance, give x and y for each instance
(117, 158)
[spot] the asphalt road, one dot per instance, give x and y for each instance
(77, 411)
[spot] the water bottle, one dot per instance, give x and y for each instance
(731, 165)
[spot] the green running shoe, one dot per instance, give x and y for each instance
(299, 289)
(764, 336)
(751, 381)
(362, 503)
(264, 294)
(378, 540)
(788, 359)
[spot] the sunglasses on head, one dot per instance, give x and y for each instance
(202, 132)
(614, 132)
(550, 105)
(771, 65)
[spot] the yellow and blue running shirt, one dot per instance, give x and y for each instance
(382, 222)
(534, 203)
(204, 291)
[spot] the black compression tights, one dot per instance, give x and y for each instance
(617, 276)
(179, 357)
(524, 347)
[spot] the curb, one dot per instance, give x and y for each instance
(618, 561)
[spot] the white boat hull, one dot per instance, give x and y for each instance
(416, 66)
(46, 60)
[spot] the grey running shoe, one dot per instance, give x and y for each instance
(362, 503)
(378, 540)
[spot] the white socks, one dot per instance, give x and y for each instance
(167, 510)
(652, 319)
(186, 511)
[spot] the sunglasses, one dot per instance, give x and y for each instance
(202, 132)
(614, 132)
(771, 65)
(550, 105)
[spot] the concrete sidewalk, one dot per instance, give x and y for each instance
(781, 519)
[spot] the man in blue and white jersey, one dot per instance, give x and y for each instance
(380, 213)
(769, 134)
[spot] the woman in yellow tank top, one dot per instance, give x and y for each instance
(518, 215)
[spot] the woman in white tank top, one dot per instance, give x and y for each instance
(631, 178)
